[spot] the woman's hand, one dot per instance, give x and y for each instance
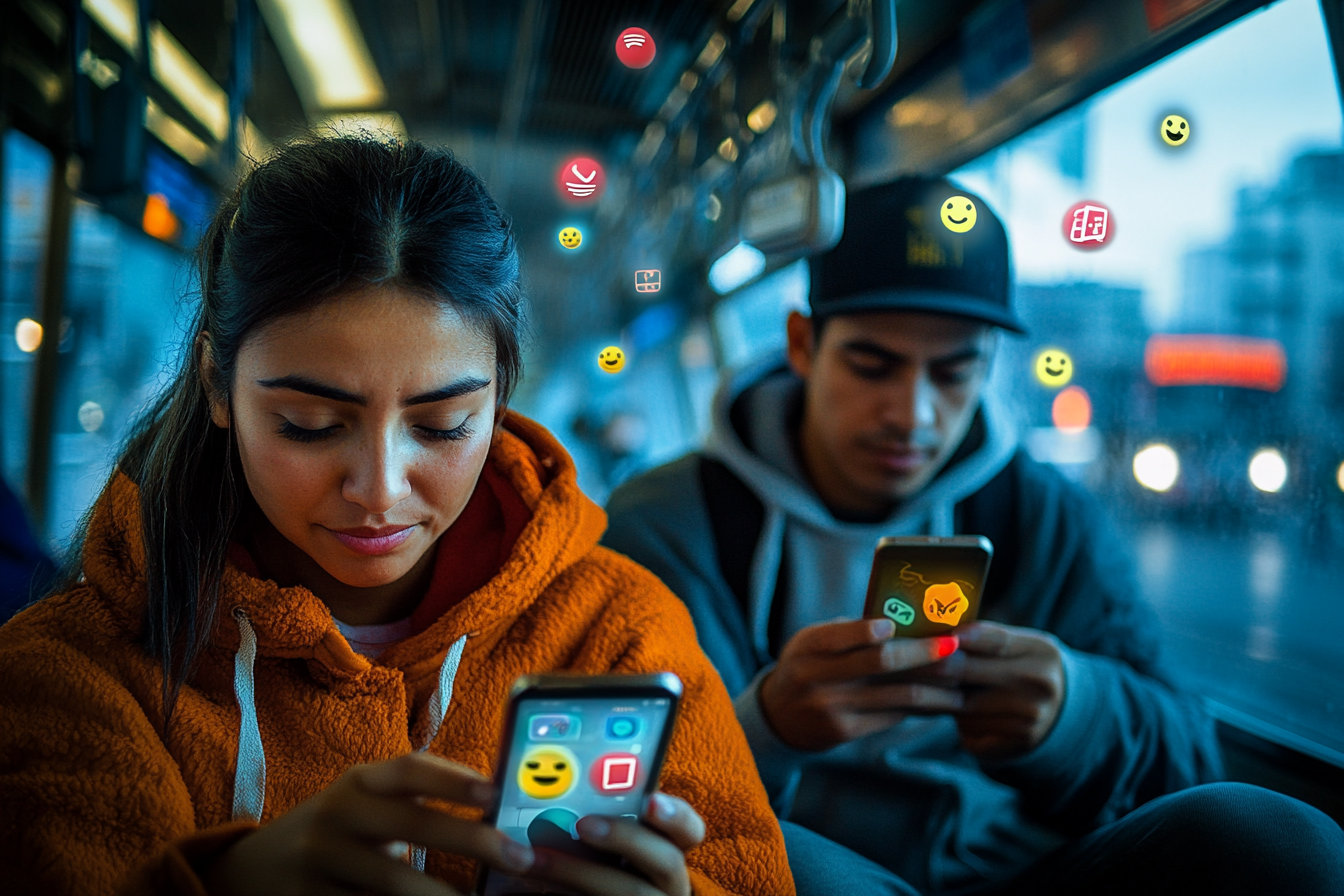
(352, 836)
(655, 849)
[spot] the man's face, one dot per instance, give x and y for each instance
(889, 396)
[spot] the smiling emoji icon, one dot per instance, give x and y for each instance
(570, 237)
(1175, 130)
(611, 359)
(957, 214)
(548, 772)
(1054, 368)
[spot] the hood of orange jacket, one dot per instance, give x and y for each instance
(94, 798)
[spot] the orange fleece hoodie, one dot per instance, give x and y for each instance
(93, 800)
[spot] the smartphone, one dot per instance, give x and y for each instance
(928, 584)
(577, 745)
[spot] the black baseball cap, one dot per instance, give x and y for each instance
(901, 251)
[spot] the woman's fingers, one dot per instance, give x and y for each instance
(675, 819)
(378, 818)
(362, 870)
(647, 851)
(590, 878)
(424, 774)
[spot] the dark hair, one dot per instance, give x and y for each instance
(323, 216)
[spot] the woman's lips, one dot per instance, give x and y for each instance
(373, 541)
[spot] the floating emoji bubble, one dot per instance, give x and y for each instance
(1175, 130)
(571, 237)
(957, 214)
(548, 772)
(1054, 368)
(898, 611)
(635, 48)
(611, 359)
(945, 603)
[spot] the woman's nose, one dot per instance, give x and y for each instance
(377, 479)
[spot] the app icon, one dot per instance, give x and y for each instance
(1054, 368)
(554, 828)
(615, 773)
(945, 603)
(547, 772)
(898, 611)
(1175, 130)
(611, 359)
(648, 281)
(553, 727)
(1088, 225)
(635, 48)
(570, 237)
(581, 180)
(623, 727)
(957, 214)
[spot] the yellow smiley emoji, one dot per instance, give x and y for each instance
(547, 773)
(570, 237)
(1174, 129)
(611, 359)
(1054, 368)
(957, 214)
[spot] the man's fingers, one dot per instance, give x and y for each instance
(995, 639)
(904, 698)
(893, 655)
(839, 637)
(424, 774)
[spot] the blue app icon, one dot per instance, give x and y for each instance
(623, 727)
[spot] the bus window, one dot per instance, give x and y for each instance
(1206, 333)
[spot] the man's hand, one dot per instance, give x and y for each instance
(822, 691)
(1013, 680)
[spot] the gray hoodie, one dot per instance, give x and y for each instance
(910, 797)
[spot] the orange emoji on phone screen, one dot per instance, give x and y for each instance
(945, 603)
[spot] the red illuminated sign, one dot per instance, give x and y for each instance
(1215, 361)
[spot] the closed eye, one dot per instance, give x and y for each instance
(299, 434)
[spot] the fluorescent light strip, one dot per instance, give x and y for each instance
(325, 53)
(187, 81)
(119, 18)
(175, 135)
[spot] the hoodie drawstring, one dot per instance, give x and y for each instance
(249, 781)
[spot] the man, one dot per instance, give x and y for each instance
(1009, 755)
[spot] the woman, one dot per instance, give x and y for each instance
(326, 546)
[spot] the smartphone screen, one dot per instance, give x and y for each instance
(573, 756)
(928, 585)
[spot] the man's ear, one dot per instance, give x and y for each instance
(802, 349)
(209, 373)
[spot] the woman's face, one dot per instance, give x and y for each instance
(362, 426)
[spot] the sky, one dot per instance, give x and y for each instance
(1257, 93)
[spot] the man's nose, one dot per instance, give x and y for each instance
(377, 479)
(912, 405)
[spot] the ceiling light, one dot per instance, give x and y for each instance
(728, 149)
(119, 18)
(1268, 470)
(325, 53)
(712, 51)
(28, 335)
(175, 135)
(760, 118)
(187, 81)
(739, 9)
(1157, 467)
(740, 264)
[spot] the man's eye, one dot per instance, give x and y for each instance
(869, 371)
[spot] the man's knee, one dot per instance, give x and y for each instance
(822, 867)
(1258, 831)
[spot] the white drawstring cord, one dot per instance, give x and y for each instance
(249, 781)
(438, 708)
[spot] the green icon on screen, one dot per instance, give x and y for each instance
(898, 611)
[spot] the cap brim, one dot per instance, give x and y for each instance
(934, 301)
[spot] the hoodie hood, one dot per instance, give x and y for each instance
(824, 561)
(294, 623)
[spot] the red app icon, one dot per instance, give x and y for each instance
(580, 180)
(635, 48)
(1088, 225)
(615, 773)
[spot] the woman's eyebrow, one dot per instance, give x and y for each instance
(309, 386)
